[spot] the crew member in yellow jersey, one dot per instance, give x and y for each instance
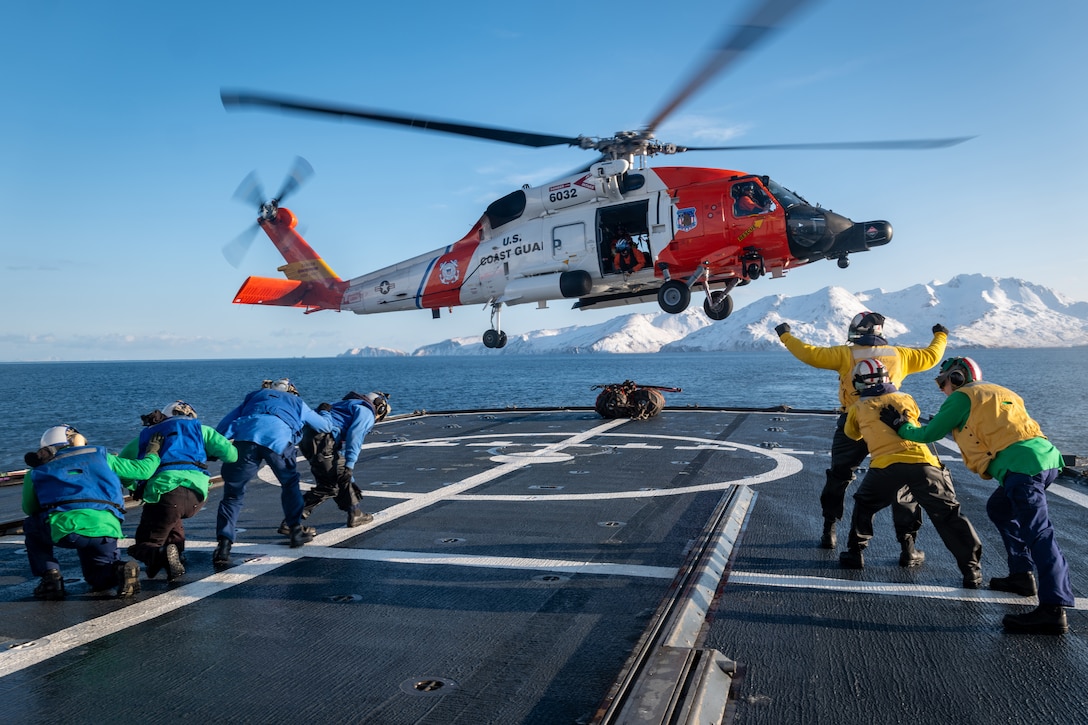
(865, 339)
(895, 463)
(1000, 441)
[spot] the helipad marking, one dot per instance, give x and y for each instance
(889, 588)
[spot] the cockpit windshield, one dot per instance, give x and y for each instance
(785, 197)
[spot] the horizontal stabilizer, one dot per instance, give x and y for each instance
(286, 293)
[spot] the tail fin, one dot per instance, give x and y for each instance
(310, 282)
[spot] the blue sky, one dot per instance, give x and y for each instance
(119, 160)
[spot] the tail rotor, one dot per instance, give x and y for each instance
(251, 193)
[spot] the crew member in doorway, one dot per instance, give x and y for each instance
(333, 455)
(179, 487)
(73, 498)
(1000, 441)
(864, 340)
(627, 257)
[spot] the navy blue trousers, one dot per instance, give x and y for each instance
(1019, 511)
(97, 554)
(236, 475)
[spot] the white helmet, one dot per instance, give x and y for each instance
(380, 403)
(178, 408)
(283, 385)
(868, 372)
(62, 435)
(865, 323)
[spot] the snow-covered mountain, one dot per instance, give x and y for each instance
(979, 311)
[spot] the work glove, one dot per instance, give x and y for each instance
(940, 328)
(323, 407)
(154, 444)
(782, 329)
(344, 477)
(891, 417)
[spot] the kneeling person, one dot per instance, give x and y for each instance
(73, 498)
(897, 464)
(178, 488)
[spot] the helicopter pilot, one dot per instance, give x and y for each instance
(748, 200)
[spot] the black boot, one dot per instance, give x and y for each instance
(358, 517)
(1022, 584)
(302, 535)
(1044, 619)
(51, 587)
(910, 556)
(221, 557)
(128, 578)
(174, 567)
(972, 577)
(852, 559)
(155, 565)
(285, 530)
(828, 540)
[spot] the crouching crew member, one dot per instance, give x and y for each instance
(178, 488)
(333, 455)
(73, 498)
(1000, 441)
(266, 428)
(865, 339)
(895, 463)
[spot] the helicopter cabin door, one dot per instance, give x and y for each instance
(569, 244)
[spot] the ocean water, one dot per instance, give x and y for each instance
(105, 399)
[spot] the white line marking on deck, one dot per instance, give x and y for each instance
(888, 588)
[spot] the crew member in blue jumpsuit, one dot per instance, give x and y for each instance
(265, 428)
(333, 455)
(73, 498)
(1000, 441)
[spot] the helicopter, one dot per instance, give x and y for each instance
(614, 232)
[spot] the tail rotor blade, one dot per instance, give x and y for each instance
(235, 250)
(250, 191)
(298, 176)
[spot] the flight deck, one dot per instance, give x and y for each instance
(551, 566)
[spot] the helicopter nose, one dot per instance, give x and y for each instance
(861, 236)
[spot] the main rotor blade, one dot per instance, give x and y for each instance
(241, 99)
(924, 143)
(767, 17)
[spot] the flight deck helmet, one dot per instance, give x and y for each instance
(380, 402)
(865, 323)
(959, 371)
(179, 409)
(62, 435)
(868, 372)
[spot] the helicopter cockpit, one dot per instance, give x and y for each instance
(816, 233)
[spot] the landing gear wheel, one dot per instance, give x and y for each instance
(718, 305)
(501, 342)
(491, 338)
(674, 296)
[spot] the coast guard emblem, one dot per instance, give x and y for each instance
(448, 272)
(686, 219)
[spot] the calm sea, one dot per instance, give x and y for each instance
(105, 399)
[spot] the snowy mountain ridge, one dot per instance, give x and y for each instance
(979, 311)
